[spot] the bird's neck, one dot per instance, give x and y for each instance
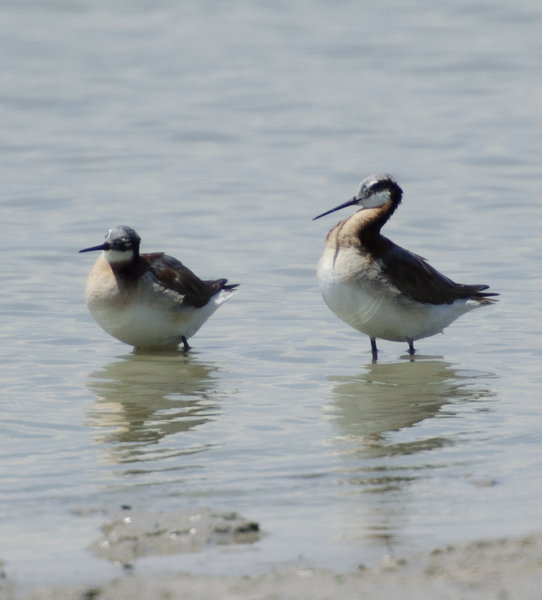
(128, 270)
(362, 229)
(119, 259)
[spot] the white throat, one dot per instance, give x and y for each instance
(376, 200)
(115, 257)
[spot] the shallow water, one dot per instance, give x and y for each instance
(218, 132)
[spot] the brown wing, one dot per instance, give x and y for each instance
(416, 279)
(173, 275)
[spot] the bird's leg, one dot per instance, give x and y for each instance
(374, 349)
(411, 349)
(186, 347)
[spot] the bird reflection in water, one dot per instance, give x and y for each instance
(144, 398)
(386, 441)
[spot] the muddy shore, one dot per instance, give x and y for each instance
(503, 569)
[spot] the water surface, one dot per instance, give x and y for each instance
(218, 131)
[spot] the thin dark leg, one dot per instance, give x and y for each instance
(374, 349)
(186, 347)
(411, 349)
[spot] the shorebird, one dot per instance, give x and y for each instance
(379, 288)
(148, 300)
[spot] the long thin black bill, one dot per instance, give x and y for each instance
(350, 202)
(104, 246)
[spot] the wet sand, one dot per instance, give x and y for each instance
(504, 569)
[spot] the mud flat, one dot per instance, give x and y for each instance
(503, 569)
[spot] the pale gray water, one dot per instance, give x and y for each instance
(218, 131)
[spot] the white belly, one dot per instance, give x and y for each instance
(353, 290)
(144, 326)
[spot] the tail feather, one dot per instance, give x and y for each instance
(477, 293)
(222, 284)
(486, 301)
(231, 286)
(484, 298)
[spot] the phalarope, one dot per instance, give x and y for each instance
(380, 288)
(148, 300)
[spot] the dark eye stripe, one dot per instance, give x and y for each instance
(379, 186)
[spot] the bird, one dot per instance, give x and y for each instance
(149, 301)
(381, 289)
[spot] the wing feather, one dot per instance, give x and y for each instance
(173, 275)
(416, 279)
